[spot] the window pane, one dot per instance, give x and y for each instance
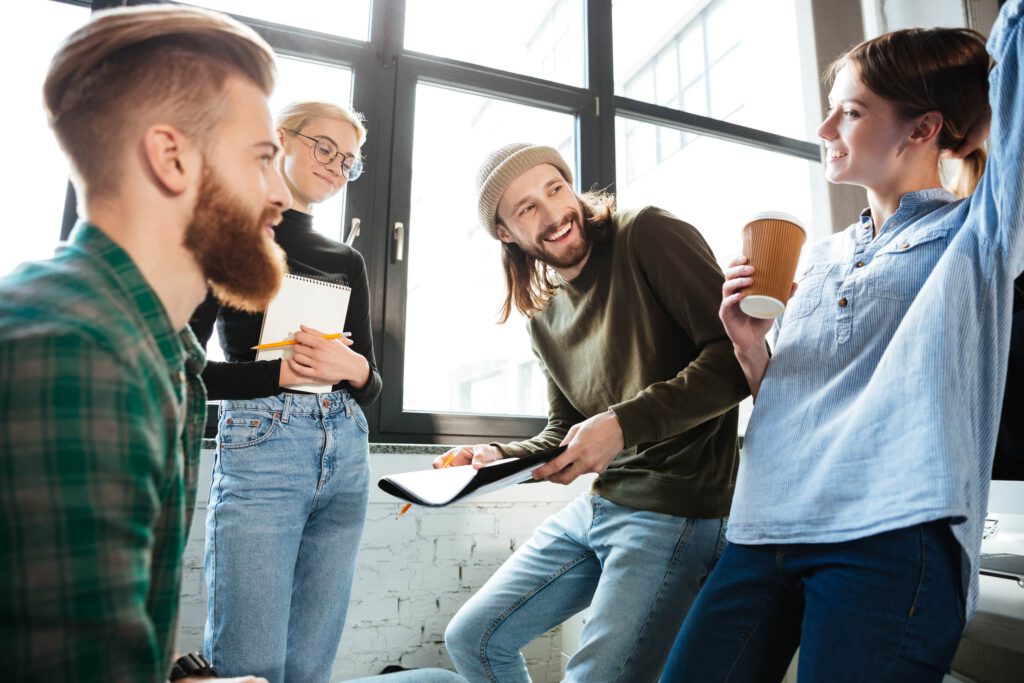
(691, 55)
(667, 77)
(695, 98)
(716, 186)
(763, 81)
(541, 38)
(456, 358)
(722, 19)
(726, 80)
(641, 86)
(346, 18)
(299, 79)
(35, 170)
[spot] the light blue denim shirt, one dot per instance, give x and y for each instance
(880, 405)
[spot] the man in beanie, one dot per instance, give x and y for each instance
(642, 388)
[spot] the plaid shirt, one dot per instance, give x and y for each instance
(101, 420)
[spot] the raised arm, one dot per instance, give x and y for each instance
(998, 204)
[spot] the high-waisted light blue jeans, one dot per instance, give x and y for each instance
(287, 508)
(638, 571)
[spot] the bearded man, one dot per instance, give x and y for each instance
(642, 388)
(163, 114)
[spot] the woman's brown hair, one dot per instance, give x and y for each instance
(528, 282)
(922, 70)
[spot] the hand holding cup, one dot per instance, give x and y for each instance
(771, 244)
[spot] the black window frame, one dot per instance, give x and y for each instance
(384, 81)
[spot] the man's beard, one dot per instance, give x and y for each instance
(572, 257)
(240, 262)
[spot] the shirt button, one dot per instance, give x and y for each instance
(859, 264)
(843, 302)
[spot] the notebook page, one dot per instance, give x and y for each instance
(305, 301)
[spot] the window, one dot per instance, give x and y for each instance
(540, 38)
(704, 107)
(35, 169)
(716, 185)
(748, 180)
(300, 79)
(456, 358)
(737, 60)
(347, 18)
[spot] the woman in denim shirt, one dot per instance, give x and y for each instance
(856, 524)
(291, 470)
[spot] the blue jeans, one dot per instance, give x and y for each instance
(639, 571)
(287, 507)
(887, 608)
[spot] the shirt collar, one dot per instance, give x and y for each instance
(122, 274)
(912, 205)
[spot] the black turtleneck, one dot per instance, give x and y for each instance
(309, 253)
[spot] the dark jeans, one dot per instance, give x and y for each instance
(881, 609)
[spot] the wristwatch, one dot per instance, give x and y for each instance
(192, 664)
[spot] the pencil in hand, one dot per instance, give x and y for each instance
(292, 342)
(447, 461)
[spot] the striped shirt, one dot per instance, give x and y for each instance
(101, 421)
(880, 406)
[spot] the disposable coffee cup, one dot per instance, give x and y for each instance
(771, 242)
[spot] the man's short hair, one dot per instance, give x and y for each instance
(129, 68)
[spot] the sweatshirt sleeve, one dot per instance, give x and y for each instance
(682, 272)
(357, 321)
(998, 203)
(255, 379)
(561, 417)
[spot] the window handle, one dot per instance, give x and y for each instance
(353, 232)
(399, 237)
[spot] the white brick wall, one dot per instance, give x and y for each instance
(413, 573)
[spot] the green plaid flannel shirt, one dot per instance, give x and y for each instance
(101, 420)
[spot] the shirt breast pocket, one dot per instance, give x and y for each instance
(899, 272)
(808, 291)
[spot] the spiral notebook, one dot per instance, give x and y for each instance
(302, 300)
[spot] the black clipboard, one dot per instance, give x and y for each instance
(1003, 565)
(440, 487)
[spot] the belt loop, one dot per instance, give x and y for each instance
(286, 413)
(348, 403)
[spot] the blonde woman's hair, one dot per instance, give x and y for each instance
(131, 67)
(297, 114)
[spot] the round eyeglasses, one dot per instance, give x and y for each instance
(325, 152)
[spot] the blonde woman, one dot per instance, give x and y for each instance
(291, 474)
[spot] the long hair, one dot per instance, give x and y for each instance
(528, 282)
(922, 70)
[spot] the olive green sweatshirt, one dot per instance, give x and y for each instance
(637, 331)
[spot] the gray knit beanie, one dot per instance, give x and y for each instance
(503, 166)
